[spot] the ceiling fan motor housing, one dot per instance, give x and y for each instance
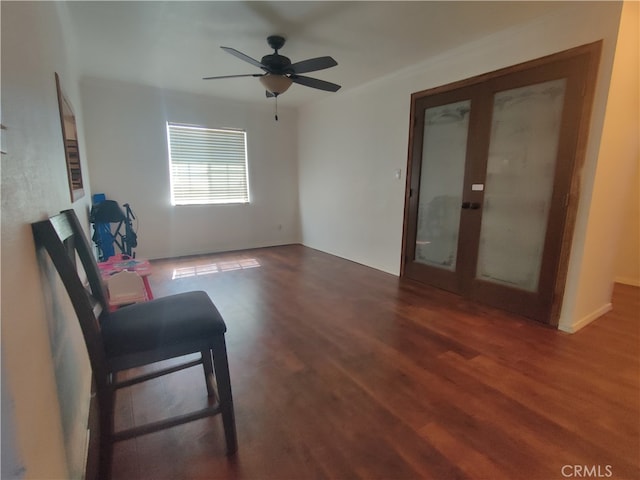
(277, 64)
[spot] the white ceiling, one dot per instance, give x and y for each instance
(174, 44)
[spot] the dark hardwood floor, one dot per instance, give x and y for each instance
(340, 371)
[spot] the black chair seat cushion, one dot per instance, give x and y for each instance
(183, 318)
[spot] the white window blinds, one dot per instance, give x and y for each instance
(207, 165)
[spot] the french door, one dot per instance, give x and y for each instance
(491, 174)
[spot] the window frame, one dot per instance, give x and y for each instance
(178, 200)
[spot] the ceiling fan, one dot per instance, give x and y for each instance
(280, 73)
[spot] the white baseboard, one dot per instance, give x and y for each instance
(584, 321)
(634, 282)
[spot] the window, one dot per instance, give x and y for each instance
(207, 165)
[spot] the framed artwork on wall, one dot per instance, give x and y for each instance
(70, 140)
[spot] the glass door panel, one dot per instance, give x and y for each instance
(444, 152)
(521, 164)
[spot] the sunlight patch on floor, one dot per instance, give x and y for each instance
(217, 267)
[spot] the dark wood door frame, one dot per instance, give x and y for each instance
(445, 278)
(586, 55)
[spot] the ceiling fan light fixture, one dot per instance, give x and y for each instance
(276, 84)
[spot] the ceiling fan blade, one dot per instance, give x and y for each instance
(233, 76)
(244, 57)
(315, 83)
(313, 64)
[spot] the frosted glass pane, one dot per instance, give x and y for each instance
(441, 179)
(522, 157)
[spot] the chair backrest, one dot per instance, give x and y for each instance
(63, 238)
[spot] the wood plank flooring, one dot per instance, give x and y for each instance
(340, 371)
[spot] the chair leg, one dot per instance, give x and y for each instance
(209, 379)
(221, 365)
(106, 403)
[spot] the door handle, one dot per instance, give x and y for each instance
(471, 205)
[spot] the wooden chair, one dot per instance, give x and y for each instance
(138, 335)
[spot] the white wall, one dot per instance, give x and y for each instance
(127, 151)
(351, 203)
(628, 257)
(617, 165)
(352, 206)
(45, 370)
(627, 69)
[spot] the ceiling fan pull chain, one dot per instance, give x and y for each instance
(276, 108)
